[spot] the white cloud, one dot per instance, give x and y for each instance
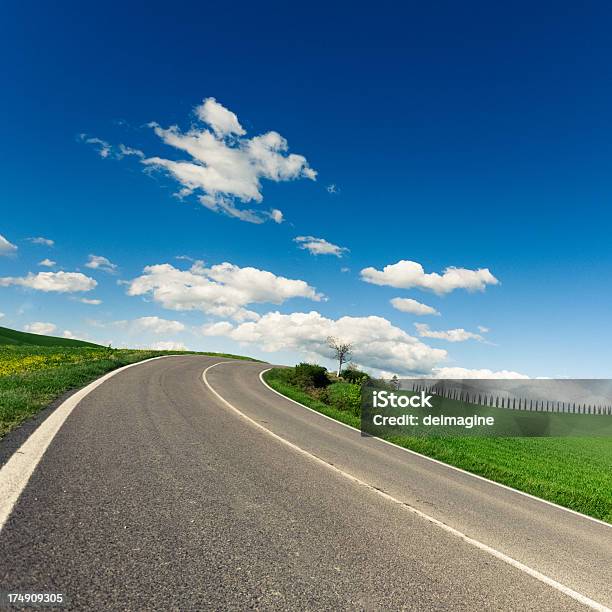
(168, 345)
(103, 148)
(377, 343)
(345, 270)
(227, 207)
(108, 151)
(39, 327)
(222, 120)
(483, 330)
(413, 307)
(224, 167)
(6, 247)
(83, 336)
(141, 327)
(223, 290)
(319, 246)
(407, 274)
(124, 151)
(276, 215)
(1, 315)
(97, 262)
(47, 263)
(62, 282)
(221, 328)
(91, 302)
(333, 188)
(156, 325)
(451, 335)
(42, 241)
(456, 372)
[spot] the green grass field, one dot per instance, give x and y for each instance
(570, 471)
(33, 375)
(14, 337)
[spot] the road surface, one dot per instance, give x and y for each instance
(163, 490)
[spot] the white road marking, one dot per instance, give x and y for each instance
(446, 465)
(455, 532)
(16, 472)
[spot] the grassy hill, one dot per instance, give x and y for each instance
(37, 369)
(14, 337)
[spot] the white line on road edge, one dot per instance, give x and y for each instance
(16, 472)
(446, 465)
(484, 547)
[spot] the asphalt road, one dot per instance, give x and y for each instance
(155, 494)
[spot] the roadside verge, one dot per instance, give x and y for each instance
(555, 471)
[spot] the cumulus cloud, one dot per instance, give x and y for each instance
(224, 168)
(457, 373)
(155, 325)
(407, 274)
(319, 246)
(39, 327)
(168, 345)
(377, 343)
(223, 289)
(61, 282)
(42, 241)
(47, 263)
(223, 121)
(333, 188)
(6, 247)
(277, 215)
(221, 328)
(450, 335)
(141, 326)
(413, 307)
(97, 262)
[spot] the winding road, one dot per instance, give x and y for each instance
(185, 483)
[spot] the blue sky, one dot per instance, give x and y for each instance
(465, 136)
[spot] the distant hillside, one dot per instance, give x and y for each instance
(12, 336)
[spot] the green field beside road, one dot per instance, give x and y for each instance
(436, 419)
(36, 369)
(575, 472)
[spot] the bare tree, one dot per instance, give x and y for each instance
(342, 351)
